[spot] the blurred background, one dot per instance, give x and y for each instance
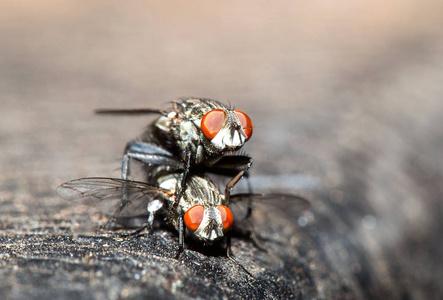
(345, 96)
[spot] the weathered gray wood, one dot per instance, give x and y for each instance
(351, 118)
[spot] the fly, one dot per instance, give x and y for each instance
(194, 135)
(200, 132)
(207, 214)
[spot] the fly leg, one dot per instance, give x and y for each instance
(228, 246)
(246, 231)
(233, 181)
(181, 189)
(136, 233)
(124, 175)
(249, 233)
(250, 191)
(149, 154)
(178, 195)
(181, 236)
(232, 258)
(252, 236)
(124, 198)
(153, 207)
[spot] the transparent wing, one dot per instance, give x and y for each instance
(276, 198)
(112, 196)
(290, 204)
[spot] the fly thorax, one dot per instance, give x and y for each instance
(188, 136)
(188, 130)
(211, 226)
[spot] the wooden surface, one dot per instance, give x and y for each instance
(347, 109)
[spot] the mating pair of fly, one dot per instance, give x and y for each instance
(196, 136)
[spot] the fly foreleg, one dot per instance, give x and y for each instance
(250, 191)
(233, 181)
(181, 189)
(178, 195)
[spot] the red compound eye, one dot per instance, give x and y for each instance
(246, 123)
(212, 122)
(193, 217)
(227, 216)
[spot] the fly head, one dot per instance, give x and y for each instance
(210, 223)
(226, 129)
